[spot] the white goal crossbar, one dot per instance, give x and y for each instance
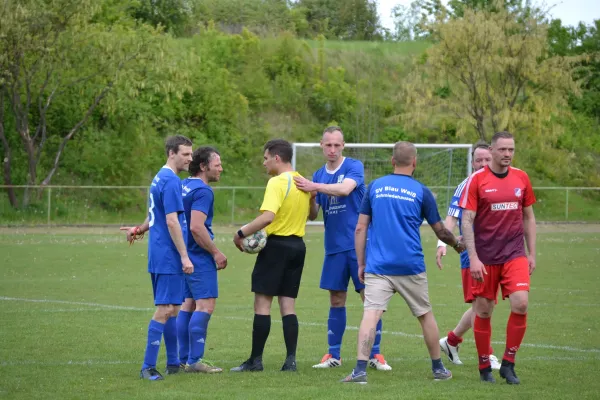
(441, 176)
(391, 146)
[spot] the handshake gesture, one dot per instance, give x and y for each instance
(459, 246)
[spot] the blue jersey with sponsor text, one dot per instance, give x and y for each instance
(198, 196)
(340, 213)
(164, 198)
(397, 205)
(455, 211)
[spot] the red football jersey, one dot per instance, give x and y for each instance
(499, 205)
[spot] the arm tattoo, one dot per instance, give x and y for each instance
(468, 233)
(444, 234)
(367, 344)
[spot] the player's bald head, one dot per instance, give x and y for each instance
(334, 131)
(404, 154)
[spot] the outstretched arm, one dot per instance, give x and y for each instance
(446, 236)
(260, 222)
(450, 224)
(331, 189)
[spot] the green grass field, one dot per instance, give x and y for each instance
(76, 305)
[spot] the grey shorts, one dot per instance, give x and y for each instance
(379, 289)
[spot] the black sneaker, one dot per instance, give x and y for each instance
(174, 369)
(485, 375)
(249, 366)
(151, 374)
(507, 371)
(289, 364)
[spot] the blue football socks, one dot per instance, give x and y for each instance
(336, 325)
(155, 332)
(198, 328)
(170, 335)
(183, 335)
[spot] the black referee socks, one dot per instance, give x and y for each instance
(260, 332)
(290, 333)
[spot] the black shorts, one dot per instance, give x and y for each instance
(278, 267)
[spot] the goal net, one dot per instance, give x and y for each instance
(441, 167)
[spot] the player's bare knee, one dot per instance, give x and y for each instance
(337, 298)
(262, 304)
(287, 305)
(206, 305)
(483, 307)
(372, 316)
(162, 313)
(188, 305)
(519, 303)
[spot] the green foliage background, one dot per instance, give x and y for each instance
(274, 72)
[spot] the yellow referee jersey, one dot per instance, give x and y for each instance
(289, 204)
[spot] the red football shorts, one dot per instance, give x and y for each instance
(468, 286)
(512, 276)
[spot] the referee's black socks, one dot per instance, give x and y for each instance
(260, 332)
(290, 333)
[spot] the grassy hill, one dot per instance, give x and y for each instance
(240, 90)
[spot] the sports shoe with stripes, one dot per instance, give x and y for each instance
(360, 378)
(450, 351)
(442, 374)
(379, 363)
(328, 362)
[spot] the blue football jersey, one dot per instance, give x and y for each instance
(165, 198)
(397, 204)
(455, 211)
(340, 213)
(198, 196)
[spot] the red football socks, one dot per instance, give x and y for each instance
(454, 340)
(515, 331)
(482, 330)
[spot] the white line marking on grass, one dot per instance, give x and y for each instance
(307, 361)
(317, 324)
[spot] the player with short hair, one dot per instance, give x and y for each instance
(393, 210)
(480, 157)
(340, 187)
(497, 204)
(201, 288)
(167, 255)
(278, 267)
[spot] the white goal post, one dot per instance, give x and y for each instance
(441, 167)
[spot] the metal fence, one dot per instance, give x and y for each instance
(112, 205)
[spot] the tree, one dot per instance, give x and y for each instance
(343, 19)
(582, 40)
(407, 21)
(491, 71)
(172, 15)
(51, 51)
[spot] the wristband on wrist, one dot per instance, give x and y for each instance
(440, 243)
(240, 234)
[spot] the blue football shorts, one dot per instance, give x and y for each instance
(167, 288)
(337, 270)
(202, 283)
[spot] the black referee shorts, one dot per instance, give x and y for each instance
(278, 267)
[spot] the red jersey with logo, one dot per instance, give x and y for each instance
(499, 203)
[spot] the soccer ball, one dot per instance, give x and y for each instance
(256, 242)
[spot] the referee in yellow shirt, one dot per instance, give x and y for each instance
(278, 267)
